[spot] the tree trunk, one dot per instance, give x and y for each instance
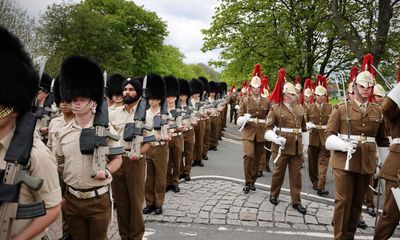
(384, 15)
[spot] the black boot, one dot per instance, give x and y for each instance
(200, 163)
(194, 163)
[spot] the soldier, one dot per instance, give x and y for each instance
(81, 81)
(199, 129)
(232, 104)
(252, 114)
(264, 164)
(287, 148)
(390, 216)
(317, 116)
(157, 155)
(378, 97)
(215, 120)
(188, 121)
(55, 125)
(18, 85)
(114, 91)
(354, 129)
(207, 121)
(128, 181)
(43, 98)
(223, 95)
(175, 146)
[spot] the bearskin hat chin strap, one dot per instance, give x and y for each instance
(89, 105)
(5, 111)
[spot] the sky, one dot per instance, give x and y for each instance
(185, 19)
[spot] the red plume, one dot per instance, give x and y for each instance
(307, 84)
(398, 74)
(264, 84)
(276, 95)
(367, 63)
(257, 71)
(232, 87)
(318, 81)
(297, 80)
(353, 73)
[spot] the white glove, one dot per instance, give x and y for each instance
(272, 137)
(247, 116)
(305, 137)
(242, 119)
(335, 143)
(236, 107)
(310, 125)
(394, 94)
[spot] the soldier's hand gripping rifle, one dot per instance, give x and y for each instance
(15, 174)
(94, 141)
(134, 132)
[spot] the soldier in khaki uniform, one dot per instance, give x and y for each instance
(352, 176)
(18, 85)
(287, 148)
(264, 164)
(232, 104)
(157, 155)
(306, 97)
(128, 181)
(317, 116)
(175, 146)
(87, 204)
(252, 114)
(197, 87)
(114, 91)
(188, 121)
(207, 121)
(214, 115)
(390, 217)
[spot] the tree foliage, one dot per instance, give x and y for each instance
(17, 20)
(301, 36)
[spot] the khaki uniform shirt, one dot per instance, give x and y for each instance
(293, 119)
(254, 131)
(319, 115)
(78, 166)
(391, 166)
(118, 118)
(368, 124)
(149, 123)
(42, 165)
(55, 125)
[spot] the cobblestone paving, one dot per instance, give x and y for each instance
(220, 202)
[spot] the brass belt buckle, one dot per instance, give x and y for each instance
(362, 139)
(84, 195)
(295, 130)
(255, 120)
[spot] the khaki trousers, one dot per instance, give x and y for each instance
(215, 123)
(278, 175)
(199, 130)
(128, 190)
(187, 156)
(318, 161)
(87, 219)
(175, 157)
(350, 191)
(157, 162)
(206, 139)
(253, 153)
(265, 161)
(390, 217)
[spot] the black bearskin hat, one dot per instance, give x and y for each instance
(81, 77)
(205, 84)
(172, 86)
(185, 87)
(213, 87)
(18, 78)
(155, 88)
(45, 83)
(114, 85)
(56, 91)
(224, 87)
(196, 86)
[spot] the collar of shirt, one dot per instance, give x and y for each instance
(320, 106)
(90, 124)
(359, 104)
(288, 106)
(6, 141)
(132, 109)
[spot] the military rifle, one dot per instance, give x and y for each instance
(133, 132)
